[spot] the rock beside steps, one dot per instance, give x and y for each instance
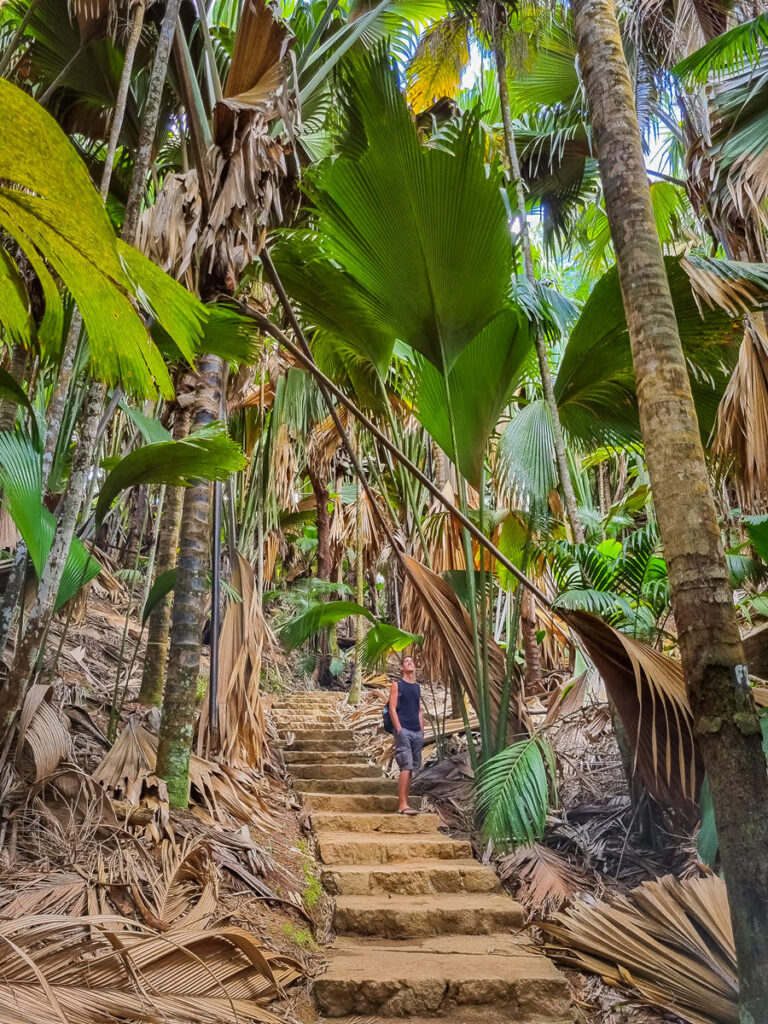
(423, 930)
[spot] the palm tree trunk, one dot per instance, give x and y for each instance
(148, 131)
(569, 497)
(357, 679)
(118, 115)
(725, 721)
(531, 649)
(180, 697)
(153, 674)
(31, 643)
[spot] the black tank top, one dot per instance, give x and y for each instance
(408, 698)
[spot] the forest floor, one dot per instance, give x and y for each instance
(85, 831)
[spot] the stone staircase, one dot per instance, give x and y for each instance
(423, 930)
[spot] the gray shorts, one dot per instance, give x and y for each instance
(408, 746)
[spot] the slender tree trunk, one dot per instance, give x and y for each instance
(323, 523)
(118, 115)
(725, 722)
(531, 649)
(137, 528)
(540, 342)
(31, 643)
(180, 698)
(153, 675)
(149, 122)
(357, 679)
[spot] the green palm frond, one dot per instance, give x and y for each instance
(21, 483)
(479, 385)
(207, 454)
(55, 215)
(380, 642)
(526, 455)
(595, 387)
(514, 790)
(741, 45)
(317, 617)
(421, 231)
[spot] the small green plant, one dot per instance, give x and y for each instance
(314, 891)
(301, 936)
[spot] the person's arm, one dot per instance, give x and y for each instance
(421, 718)
(393, 706)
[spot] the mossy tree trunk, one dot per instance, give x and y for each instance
(180, 695)
(158, 629)
(725, 721)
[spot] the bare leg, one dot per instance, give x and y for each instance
(403, 789)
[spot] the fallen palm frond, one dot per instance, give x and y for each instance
(242, 728)
(648, 691)
(42, 741)
(219, 792)
(93, 968)
(669, 940)
(451, 620)
(544, 879)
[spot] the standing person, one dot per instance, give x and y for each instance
(405, 709)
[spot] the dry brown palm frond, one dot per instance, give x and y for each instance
(544, 878)
(29, 892)
(648, 691)
(42, 741)
(451, 620)
(283, 468)
(92, 969)
(242, 727)
(566, 699)
(183, 891)
(243, 169)
(324, 442)
(127, 772)
(741, 437)
(669, 940)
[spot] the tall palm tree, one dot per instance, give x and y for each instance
(724, 715)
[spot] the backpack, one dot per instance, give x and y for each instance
(386, 718)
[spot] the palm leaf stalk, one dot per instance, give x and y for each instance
(306, 360)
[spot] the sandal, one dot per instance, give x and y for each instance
(408, 812)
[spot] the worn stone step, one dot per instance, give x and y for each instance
(358, 803)
(330, 736)
(369, 787)
(309, 721)
(327, 821)
(382, 848)
(413, 877)
(310, 701)
(340, 742)
(437, 976)
(346, 756)
(459, 1015)
(409, 917)
(335, 771)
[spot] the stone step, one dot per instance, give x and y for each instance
(410, 917)
(363, 803)
(323, 756)
(413, 877)
(460, 1015)
(310, 701)
(382, 848)
(437, 976)
(368, 787)
(329, 736)
(326, 821)
(316, 721)
(335, 771)
(334, 742)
